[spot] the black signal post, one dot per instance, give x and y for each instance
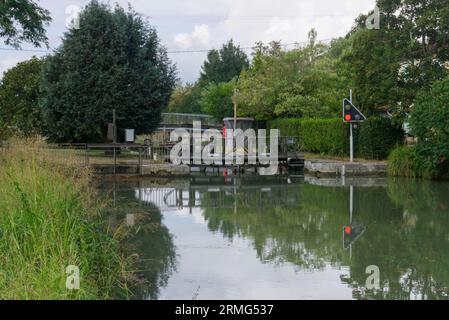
(351, 115)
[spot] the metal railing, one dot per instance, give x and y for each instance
(288, 147)
(187, 119)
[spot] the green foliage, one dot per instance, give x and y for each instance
(185, 99)
(406, 222)
(408, 53)
(113, 61)
(149, 242)
(374, 138)
(19, 94)
(223, 65)
(374, 63)
(3, 133)
(216, 100)
(49, 221)
(377, 137)
(23, 21)
(406, 161)
(324, 136)
(429, 123)
(298, 83)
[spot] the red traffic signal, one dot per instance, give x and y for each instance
(348, 230)
(351, 233)
(351, 113)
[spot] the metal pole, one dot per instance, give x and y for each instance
(235, 124)
(115, 126)
(351, 137)
(351, 143)
(115, 161)
(114, 140)
(235, 113)
(351, 202)
(351, 209)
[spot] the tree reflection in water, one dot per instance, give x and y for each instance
(406, 233)
(146, 242)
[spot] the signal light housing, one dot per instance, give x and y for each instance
(351, 233)
(351, 113)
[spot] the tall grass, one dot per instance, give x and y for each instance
(49, 219)
(405, 161)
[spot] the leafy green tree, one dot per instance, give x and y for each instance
(429, 123)
(185, 99)
(260, 85)
(23, 21)
(224, 64)
(19, 94)
(374, 63)
(407, 53)
(216, 99)
(299, 83)
(113, 61)
(221, 67)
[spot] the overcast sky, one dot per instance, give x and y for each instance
(205, 24)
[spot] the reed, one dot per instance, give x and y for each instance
(50, 219)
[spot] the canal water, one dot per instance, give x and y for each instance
(210, 237)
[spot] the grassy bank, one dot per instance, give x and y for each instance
(417, 162)
(49, 220)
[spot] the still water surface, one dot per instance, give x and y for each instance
(284, 237)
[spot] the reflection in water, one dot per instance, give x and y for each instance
(308, 240)
(145, 240)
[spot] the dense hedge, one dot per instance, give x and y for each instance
(373, 139)
(377, 137)
(326, 136)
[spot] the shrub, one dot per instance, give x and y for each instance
(429, 123)
(402, 162)
(377, 137)
(374, 139)
(326, 136)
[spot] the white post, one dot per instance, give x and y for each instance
(235, 110)
(351, 137)
(351, 202)
(114, 120)
(235, 125)
(351, 143)
(351, 210)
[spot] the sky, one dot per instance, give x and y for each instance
(207, 24)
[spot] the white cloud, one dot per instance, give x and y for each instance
(183, 40)
(199, 35)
